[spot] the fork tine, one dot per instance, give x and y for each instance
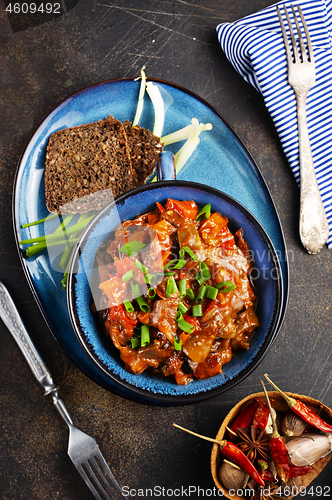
(105, 468)
(97, 479)
(284, 36)
(306, 31)
(88, 482)
(302, 47)
(293, 39)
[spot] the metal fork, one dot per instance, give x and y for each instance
(82, 449)
(314, 228)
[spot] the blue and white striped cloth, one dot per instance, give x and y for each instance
(255, 47)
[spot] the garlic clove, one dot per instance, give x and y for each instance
(308, 448)
(269, 428)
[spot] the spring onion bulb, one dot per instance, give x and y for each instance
(188, 148)
(33, 249)
(140, 103)
(184, 133)
(158, 104)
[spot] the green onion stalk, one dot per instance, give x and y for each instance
(158, 105)
(184, 133)
(140, 99)
(64, 234)
(188, 148)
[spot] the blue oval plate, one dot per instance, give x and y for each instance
(220, 161)
(83, 274)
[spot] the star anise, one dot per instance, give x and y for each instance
(267, 492)
(254, 442)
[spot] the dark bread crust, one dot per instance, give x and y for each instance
(143, 149)
(91, 158)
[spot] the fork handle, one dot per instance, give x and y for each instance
(11, 318)
(314, 229)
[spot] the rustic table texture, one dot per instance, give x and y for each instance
(43, 59)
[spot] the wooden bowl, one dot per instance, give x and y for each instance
(280, 406)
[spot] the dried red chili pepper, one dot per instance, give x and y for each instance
(302, 410)
(261, 415)
(234, 454)
(237, 456)
(277, 446)
(295, 471)
(265, 471)
(243, 420)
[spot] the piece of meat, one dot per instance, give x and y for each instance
(162, 316)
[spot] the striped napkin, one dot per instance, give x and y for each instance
(255, 48)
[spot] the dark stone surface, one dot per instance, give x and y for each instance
(43, 61)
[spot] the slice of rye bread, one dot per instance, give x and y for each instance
(91, 158)
(143, 149)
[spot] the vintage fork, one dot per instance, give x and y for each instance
(82, 449)
(314, 228)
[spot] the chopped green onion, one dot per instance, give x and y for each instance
(175, 264)
(160, 276)
(143, 304)
(128, 305)
(206, 212)
(177, 343)
(204, 273)
(163, 274)
(183, 324)
(135, 342)
(190, 294)
(132, 247)
(171, 287)
(128, 275)
(175, 288)
(182, 308)
(151, 293)
(135, 290)
(140, 266)
(149, 278)
(200, 294)
(182, 288)
(211, 292)
(197, 310)
(203, 265)
(226, 286)
(183, 251)
(180, 264)
(145, 335)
